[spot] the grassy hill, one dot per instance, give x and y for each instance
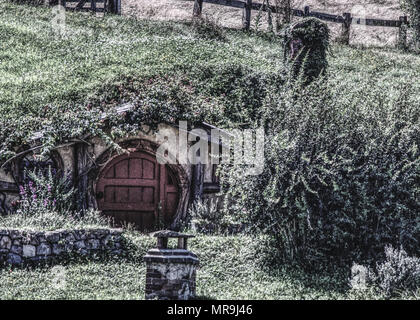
(100, 62)
(39, 67)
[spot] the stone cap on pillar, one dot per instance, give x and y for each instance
(163, 236)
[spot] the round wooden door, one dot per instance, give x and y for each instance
(136, 189)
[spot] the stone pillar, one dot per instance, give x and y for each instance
(171, 272)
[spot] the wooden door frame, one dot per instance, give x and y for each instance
(148, 147)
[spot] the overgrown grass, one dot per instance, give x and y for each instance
(40, 67)
(53, 220)
(230, 269)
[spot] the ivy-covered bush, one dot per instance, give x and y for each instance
(341, 174)
(306, 44)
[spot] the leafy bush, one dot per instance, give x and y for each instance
(397, 273)
(235, 92)
(340, 174)
(46, 203)
(44, 192)
(207, 217)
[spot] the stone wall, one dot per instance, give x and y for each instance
(25, 247)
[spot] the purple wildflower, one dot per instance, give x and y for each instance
(22, 190)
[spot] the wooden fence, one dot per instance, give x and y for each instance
(112, 6)
(346, 19)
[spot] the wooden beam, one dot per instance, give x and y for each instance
(246, 18)
(8, 186)
(226, 3)
(345, 33)
(299, 13)
(402, 33)
(80, 5)
(198, 8)
(93, 5)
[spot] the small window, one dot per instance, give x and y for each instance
(31, 162)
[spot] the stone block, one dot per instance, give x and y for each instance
(43, 249)
(80, 245)
(58, 249)
(14, 259)
(29, 250)
(5, 242)
(17, 249)
(93, 244)
(52, 236)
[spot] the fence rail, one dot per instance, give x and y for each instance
(112, 6)
(346, 19)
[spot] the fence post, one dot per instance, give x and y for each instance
(198, 8)
(93, 6)
(402, 33)
(345, 34)
(118, 6)
(246, 17)
(114, 6)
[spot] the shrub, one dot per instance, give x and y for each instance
(46, 203)
(397, 273)
(237, 92)
(44, 192)
(207, 217)
(339, 181)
